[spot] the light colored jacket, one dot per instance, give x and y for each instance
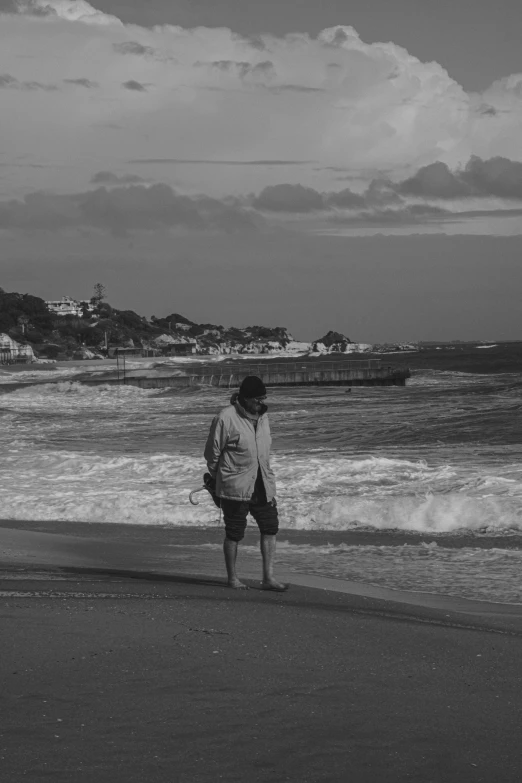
(234, 452)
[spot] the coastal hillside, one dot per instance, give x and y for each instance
(94, 329)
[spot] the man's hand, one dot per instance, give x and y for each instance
(209, 482)
(210, 485)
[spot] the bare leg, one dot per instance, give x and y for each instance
(230, 552)
(268, 550)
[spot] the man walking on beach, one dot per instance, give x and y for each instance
(237, 453)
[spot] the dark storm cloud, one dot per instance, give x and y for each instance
(44, 211)
(133, 85)
(294, 198)
(289, 198)
(82, 83)
(497, 176)
(10, 82)
(227, 217)
(387, 202)
(133, 47)
(378, 205)
(345, 199)
(137, 207)
(435, 181)
(381, 192)
(122, 210)
(297, 198)
(109, 178)
(494, 177)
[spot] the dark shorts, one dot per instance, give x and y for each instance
(265, 514)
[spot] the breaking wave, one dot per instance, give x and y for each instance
(329, 494)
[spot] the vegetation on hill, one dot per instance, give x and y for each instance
(24, 314)
(26, 319)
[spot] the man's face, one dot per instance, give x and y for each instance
(254, 404)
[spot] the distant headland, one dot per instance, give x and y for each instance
(33, 329)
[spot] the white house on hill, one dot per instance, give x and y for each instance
(69, 306)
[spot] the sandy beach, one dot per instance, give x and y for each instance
(120, 664)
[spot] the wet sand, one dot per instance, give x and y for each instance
(122, 663)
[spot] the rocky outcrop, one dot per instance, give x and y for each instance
(319, 348)
(332, 342)
(215, 339)
(252, 340)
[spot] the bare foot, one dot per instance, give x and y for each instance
(273, 584)
(236, 584)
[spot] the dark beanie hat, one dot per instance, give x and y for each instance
(252, 386)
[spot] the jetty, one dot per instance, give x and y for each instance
(357, 372)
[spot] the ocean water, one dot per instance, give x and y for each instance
(414, 488)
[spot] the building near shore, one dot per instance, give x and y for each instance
(124, 351)
(179, 349)
(12, 352)
(175, 346)
(69, 306)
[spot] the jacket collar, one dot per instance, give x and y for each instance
(245, 414)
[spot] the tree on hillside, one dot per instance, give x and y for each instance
(14, 306)
(23, 322)
(99, 294)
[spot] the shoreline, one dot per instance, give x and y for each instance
(187, 534)
(58, 550)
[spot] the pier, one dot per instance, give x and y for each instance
(360, 372)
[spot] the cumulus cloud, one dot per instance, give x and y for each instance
(378, 202)
(435, 181)
(27, 7)
(346, 199)
(288, 198)
(122, 204)
(123, 210)
(38, 211)
(498, 177)
(72, 10)
(411, 201)
(228, 102)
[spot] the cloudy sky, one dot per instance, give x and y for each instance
(350, 166)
